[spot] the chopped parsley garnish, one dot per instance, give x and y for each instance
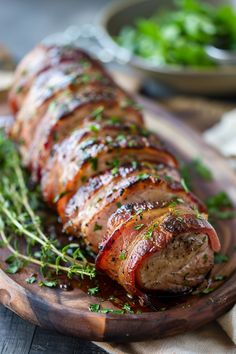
(114, 120)
(185, 174)
(83, 179)
(207, 291)
(220, 258)
(93, 291)
(131, 143)
(134, 164)
(217, 206)
(117, 312)
(97, 227)
(223, 215)
(138, 227)
(122, 256)
(48, 283)
(219, 277)
(145, 132)
(59, 196)
(139, 211)
(31, 279)
(168, 179)
(219, 200)
(94, 163)
(94, 128)
(148, 234)
(114, 163)
(173, 203)
(14, 265)
(198, 214)
(94, 307)
(85, 78)
(52, 106)
(118, 204)
(128, 102)
(127, 308)
(97, 112)
(120, 137)
(114, 171)
(133, 128)
(97, 308)
(143, 176)
(184, 185)
(202, 170)
(55, 136)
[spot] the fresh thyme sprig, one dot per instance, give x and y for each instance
(18, 218)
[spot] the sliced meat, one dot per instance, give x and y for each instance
(48, 85)
(97, 187)
(109, 179)
(89, 129)
(69, 206)
(87, 200)
(167, 253)
(64, 114)
(73, 161)
(137, 187)
(39, 60)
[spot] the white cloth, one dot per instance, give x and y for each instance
(209, 339)
(223, 136)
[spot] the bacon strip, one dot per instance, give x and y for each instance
(83, 138)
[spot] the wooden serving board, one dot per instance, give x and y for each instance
(67, 311)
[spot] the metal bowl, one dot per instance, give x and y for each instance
(213, 81)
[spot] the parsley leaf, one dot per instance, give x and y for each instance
(122, 256)
(48, 283)
(97, 227)
(202, 170)
(31, 279)
(93, 291)
(220, 258)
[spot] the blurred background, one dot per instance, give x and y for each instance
(23, 23)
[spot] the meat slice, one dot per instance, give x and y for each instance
(86, 129)
(47, 86)
(64, 114)
(138, 186)
(73, 161)
(97, 187)
(39, 60)
(156, 250)
(105, 192)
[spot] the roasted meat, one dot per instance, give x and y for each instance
(160, 246)
(110, 180)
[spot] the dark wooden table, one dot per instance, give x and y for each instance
(20, 337)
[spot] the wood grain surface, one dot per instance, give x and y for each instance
(68, 312)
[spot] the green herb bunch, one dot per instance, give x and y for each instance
(20, 223)
(178, 36)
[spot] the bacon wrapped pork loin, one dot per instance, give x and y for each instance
(110, 179)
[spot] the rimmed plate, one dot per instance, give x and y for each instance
(68, 312)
